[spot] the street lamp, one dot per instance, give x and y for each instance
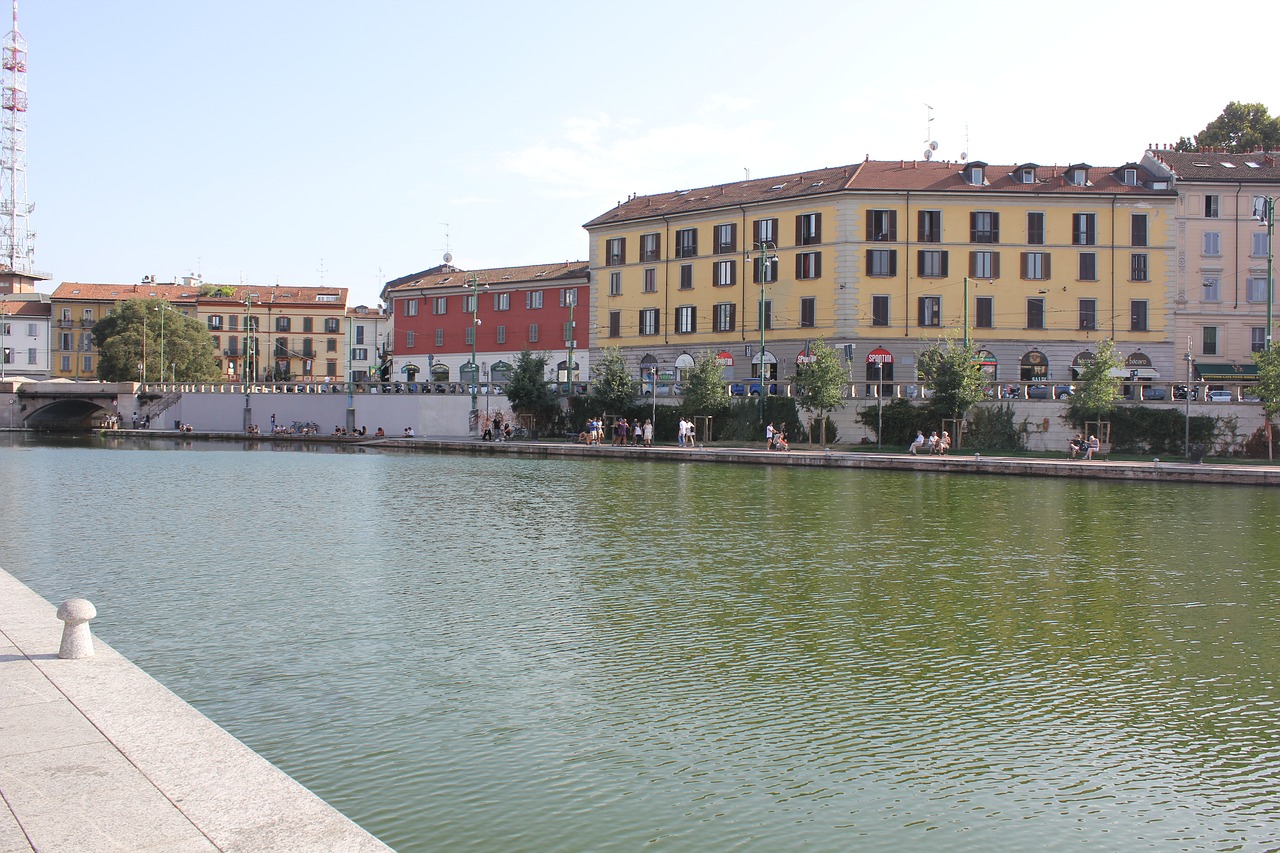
(1264, 210)
(1187, 436)
(768, 256)
(4, 351)
(473, 284)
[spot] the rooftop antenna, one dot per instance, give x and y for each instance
(964, 155)
(321, 271)
(17, 240)
(448, 255)
(746, 171)
(929, 145)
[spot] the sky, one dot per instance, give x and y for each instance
(317, 143)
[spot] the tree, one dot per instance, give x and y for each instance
(528, 390)
(1268, 390)
(703, 386)
(1240, 128)
(951, 370)
(134, 328)
(820, 383)
(613, 387)
(1098, 386)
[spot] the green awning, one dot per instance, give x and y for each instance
(1211, 372)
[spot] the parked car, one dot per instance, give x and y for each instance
(754, 390)
(737, 389)
(1037, 392)
(1219, 396)
(1180, 392)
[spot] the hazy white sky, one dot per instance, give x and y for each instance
(310, 141)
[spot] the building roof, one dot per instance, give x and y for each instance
(870, 176)
(190, 293)
(1259, 167)
(25, 308)
(446, 275)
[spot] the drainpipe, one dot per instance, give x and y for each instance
(666, 280)
(1235, 250)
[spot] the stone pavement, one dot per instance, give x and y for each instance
(95, 755)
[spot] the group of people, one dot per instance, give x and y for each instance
(1084, 448)
(686, 433)
(775, 438)
(625, 433)
(937, 445)
(497, 429)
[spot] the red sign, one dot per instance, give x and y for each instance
(805, 357)
(879, 355)
(724, 360)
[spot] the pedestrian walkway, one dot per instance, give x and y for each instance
(96, 755)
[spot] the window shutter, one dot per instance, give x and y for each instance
(995, 264)
(817, 265)
(921, 233)
(944, 263)
(995, 227)
(817, 228)
(800, 265)
(973, 264)
(1025, 261)
(973, 227)
(920, 262)
(801, 239)
(693, 318)
(871, 235)
(893, 262)
(1047, 274)
(733, 316)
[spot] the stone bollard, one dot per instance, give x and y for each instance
(77, 642)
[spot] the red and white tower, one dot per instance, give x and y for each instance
(17, 240)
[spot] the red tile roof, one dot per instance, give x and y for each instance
(1254, 167)
(445, 275)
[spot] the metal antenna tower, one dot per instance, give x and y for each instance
(17, 241)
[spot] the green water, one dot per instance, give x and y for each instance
(531, 655)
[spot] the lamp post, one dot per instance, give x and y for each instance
(142, 365)
(768, 255)
(570, 340)
(473, 284)
(1265, 212)
(1187, 431)
(351, 403)
(248, 359)
(879, 403)
(4, 351)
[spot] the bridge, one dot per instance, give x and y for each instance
(59, 404)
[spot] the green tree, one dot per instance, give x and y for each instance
(613, 387)
(820, 383)
(134, 328)
(528, 390)
(703, 386)
(1268, 390)
(1098, 386)
(950, 369)
(1240, 128)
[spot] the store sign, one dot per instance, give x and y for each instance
(724, 360)
(879, 355)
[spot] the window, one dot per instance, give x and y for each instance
(215, 322)
(308, 325)
(1035, 229)
(766, 270)
(764, 231)
(686, 319)
(282, 348)
(615, 251)
(439, 305)
(1088, 266)
(1212, 243)
(65, 342)
(1130, 177)
(500, 334)
(1255, 289)
(687, 243)
(929, 311)
(439, 337)
(649, 321)
(331, 345)
(650, 247)
(1035, 266)
(768, 315)
(882, 262)
(808, 229)
(283, 324)
(615, 324)
(986, 313)
(8, 355)
(686, 276)
(308, 348)
(1088, 314)
(409, 340)
(929, 226)
(1259, 245)
(533, 333)
(330, 325)
(411, 308)
(1209, 340)
(724, 317)
(809, 265)
(66, 363)
(533, 299)
(650, 280)
(1210, 289)
(1257, 338)
(32, 330)
(568, 296)
(1035, 313)
(808, 312)
(1083, 229)
(468, 303)
(87, 316)
(615, 284)
(1210, 207)
(502, 301)
(725, 273)
(984, 265)
(1138, 315)
(880, 310)
(931, 263)
(86, 342)
(86, 364)
(726, 239)
(882, 226)
(233, 322)
(1138, 229)
(984, 227)
(1138, 266)
(31, 356)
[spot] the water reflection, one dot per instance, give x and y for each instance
(533, 654)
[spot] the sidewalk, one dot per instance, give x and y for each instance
(96, 755)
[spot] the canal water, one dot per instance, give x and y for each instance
(502, 653)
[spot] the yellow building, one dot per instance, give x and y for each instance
(77, 306)
(1034, 263)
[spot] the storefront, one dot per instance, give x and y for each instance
(880, 372)
(1034, 367)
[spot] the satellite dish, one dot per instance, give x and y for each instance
(928, 153)
(448, 257)
(964, 155)
(933, 146)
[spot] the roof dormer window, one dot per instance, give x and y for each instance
(974, 174)
(1130, 177)
(1027, 175)
(1078, 175)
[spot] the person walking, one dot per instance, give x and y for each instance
(769, 433)
(648, 432)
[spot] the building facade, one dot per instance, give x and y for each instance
(441, 316)
(370, 334)
(77, 306)
(1221, 275)
(24, 335)
(1033, 263)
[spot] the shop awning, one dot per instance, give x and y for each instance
(1129, 372)
(1211, 372)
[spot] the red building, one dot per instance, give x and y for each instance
(435, 314)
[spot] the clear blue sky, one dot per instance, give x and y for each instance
(309, 141)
